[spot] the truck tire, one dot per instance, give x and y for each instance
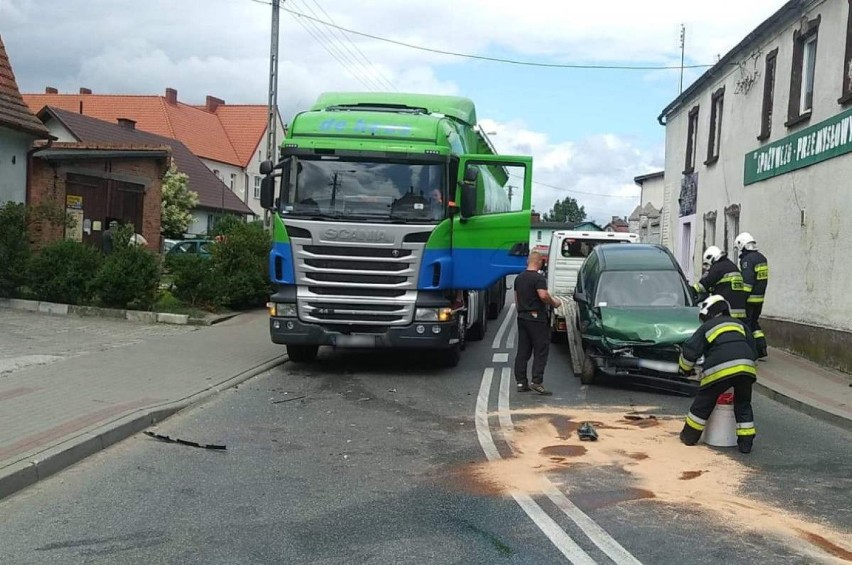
(450, 357)
(587, 375)
(479, 328)
(302, 353)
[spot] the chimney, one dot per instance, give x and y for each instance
(127, 123)
(535, 218)
(50, 90)
(171, 96)
(213, 103)
(85, 90)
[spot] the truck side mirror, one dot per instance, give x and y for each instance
(471, 173)
(266, 167)
(267, 192)
(468, 200)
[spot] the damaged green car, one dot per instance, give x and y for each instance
(634, 310)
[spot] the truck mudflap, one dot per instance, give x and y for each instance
(432, 335)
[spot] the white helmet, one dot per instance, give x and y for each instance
(713, 306)
(745, 241)
(712, 255)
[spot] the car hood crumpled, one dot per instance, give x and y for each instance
(649, 326)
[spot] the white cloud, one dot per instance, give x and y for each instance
(598, 171)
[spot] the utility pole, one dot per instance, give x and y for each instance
(682, 55)
(272, 108)
(272, 122)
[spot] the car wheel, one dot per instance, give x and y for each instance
(302, 353)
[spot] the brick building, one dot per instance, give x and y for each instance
(98, 183)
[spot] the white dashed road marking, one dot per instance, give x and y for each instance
(500, 358)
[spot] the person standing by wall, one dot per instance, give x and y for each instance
(532, 299)
(755, 270)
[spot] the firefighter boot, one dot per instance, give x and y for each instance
(689, 435)
(745, 443)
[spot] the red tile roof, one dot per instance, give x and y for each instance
(246, 126)
(14, 113)
(230, 134)
(212, 192)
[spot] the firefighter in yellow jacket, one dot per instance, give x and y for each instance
(730, 356)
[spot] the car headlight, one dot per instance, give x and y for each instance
(281, 310)
(433, 314)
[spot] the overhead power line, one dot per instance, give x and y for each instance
(563, 189)
(299, 14)
(379, 75)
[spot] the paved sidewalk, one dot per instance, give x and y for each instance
(806, 386)
(53, 415)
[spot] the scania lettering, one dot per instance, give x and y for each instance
(394, 223)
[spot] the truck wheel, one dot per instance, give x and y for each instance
(302, 353)
(587, 375)
(494, 304)
(478, 329)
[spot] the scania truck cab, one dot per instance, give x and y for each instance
(394, 225)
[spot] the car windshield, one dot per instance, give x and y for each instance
(627, 289)
(393, 191)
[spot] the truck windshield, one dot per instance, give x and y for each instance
(628, 289)
(368, 190)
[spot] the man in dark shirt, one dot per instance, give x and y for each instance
(532, 298)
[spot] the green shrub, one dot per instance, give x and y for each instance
(240, 265)
(193, 279)
(129, 278)
(14, 247)
(65, 272)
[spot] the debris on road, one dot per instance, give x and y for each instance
(288, 399)
(168, 439)
(587, 432)
(636, 416)
(394, 390)
(364, 399)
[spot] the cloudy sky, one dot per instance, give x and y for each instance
(589, 131)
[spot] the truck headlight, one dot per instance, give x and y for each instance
(433, 314)
(281, 310)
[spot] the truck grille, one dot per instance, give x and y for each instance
(357, 285)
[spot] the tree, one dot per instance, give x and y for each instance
(566, 210)
(178, 201)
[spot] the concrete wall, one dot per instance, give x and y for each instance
(13, 165)
(809, 260)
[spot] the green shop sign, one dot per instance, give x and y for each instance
(810, 146)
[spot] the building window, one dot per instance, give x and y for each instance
(768, 95)
(691, 142)
(846, 91)
(732, 227)
(714, 143)
(709, 229)
(233, 181)
(257, 191)
(803, 73)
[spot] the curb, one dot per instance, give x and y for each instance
(57, 309)
(803, 407)
(19, 476)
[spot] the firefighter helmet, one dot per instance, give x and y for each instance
(713, 306)
(745, 241)
(712, 255)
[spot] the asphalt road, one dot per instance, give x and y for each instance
(380, 457)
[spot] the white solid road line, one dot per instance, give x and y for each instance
(502, 331)
(598, 535)
(563, 542)
(510, 341)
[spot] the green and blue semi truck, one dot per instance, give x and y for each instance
(394, 224)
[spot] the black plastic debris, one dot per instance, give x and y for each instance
(287, 400)
(587, 432)
(168, 439)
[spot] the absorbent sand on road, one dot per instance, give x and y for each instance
(659, 467)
